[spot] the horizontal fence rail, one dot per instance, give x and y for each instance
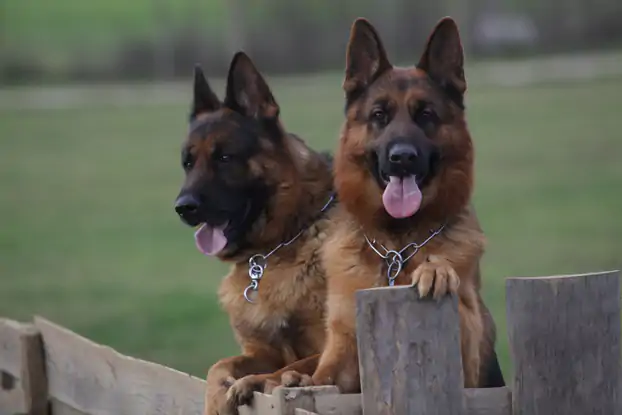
(565, 340)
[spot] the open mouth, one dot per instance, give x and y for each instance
(401, 195)
(211, 240)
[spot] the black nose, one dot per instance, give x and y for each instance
(403, 156)
(186, 206)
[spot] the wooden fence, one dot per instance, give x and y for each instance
(564, 338)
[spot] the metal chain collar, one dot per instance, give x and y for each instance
(396, 259)
(258, 263)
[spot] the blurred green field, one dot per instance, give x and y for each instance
(89, 238)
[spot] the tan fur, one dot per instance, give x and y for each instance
(286, 321)
(449, 263)
(351, 266)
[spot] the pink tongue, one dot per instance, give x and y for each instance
(210, 240)
(402, 197)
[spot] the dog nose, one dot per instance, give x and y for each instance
(403, 155)
(186, 205)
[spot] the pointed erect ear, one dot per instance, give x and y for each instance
(247, 91)
(204, 99)
(366, 58)
(443, 58)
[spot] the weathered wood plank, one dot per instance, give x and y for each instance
(304, 412)
(61, 408)
(10, 346)
(565, 342)
(247, 410)
(409, 353)
(285, 401)
(99, 381)
(23, 386)
(263, 404)
(315, 396)
(289, 399)
(492, 401)
(12, 401)
(34, 378)
(347, 404)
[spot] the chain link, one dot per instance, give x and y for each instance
(395, 260)
(252, 287)
(258, 263)
(256, 267)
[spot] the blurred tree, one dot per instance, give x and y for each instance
(164, 46)
(235, 38)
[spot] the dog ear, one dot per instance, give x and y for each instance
(204, 99)
(443, 58)
(366, 58)
(247, 91)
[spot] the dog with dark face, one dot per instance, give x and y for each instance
(259, 197)
(404, 175)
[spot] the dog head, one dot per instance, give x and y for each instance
(233, 159)
(405, 151)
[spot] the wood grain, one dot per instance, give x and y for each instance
(565, 343)
(304, 412)
(60, 408)
(409, 353)
(289, 399)
(347, 404)
(10, 346)
(23, 385)
(493, 401)
(490, 401)
(286, 401)
(97, 380)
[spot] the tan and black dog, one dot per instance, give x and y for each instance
(260, 198)
(404, 175)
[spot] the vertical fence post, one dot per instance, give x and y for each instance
(565, 342)
(409, 353)
(23, 383)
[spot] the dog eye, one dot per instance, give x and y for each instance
(380, 117)
(187, 163)
(425, 116)
(224, 158)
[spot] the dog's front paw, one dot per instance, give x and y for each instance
(241, 392)
(436, 272)
(216, 397)
(293, 379)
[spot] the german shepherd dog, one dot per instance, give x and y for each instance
(259, 197)
(404, 174)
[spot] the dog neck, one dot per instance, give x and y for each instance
(301, 203)
(295, 206)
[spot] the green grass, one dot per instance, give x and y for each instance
(89, 239)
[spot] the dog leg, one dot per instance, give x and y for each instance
(471, 338)
(241, 392)
(225, 372)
